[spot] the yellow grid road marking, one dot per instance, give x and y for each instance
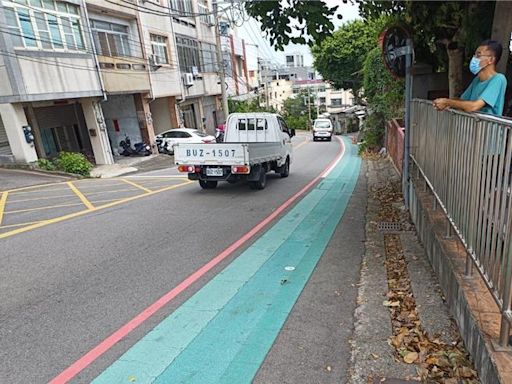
(3, 199)
(81, 213)
(137, 185)
(21, 224)
(40, 198)
(15, 192)
(80, 195)
(42, 208)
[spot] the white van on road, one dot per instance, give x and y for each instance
(322, 129)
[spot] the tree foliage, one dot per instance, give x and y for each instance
(295, 110)
(383, 93)
(246, 106)
(340, 58)
(385, 98)
(293, 21)
(443, 32)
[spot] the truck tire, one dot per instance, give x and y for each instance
(286, 168)
(208, 184)
(261, 182)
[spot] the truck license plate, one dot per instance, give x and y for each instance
(214, 172)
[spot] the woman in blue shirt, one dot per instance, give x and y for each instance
(486, 93)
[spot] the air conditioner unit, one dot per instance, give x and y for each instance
(188, 79)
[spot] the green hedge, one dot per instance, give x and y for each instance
(70, 162)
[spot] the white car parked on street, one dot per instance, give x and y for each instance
(168, 139)
(322, 129)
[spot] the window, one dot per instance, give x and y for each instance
(209, 57)
(336, 102)
(44, 24)
(159, 47)
(204, 13)
(112, 39)
(188, 53)
(322, 100)
(250, 124)
(183, 7)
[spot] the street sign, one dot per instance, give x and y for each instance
(394, 50)
(398, 55)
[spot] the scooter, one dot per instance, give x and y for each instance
(219, 134)
(140, 149)
(165, 148)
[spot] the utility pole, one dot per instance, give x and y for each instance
(309, 107)
(220, 61)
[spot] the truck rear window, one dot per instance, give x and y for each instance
(251, 124)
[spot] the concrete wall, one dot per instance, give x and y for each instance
(162, 117)
(13, 117)
(447, 260)
(121, 108)
(5, 84)
(58, 77)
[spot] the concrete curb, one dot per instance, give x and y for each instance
(30, 168)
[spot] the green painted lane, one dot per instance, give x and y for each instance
(223, 333)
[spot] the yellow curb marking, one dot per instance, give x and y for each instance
(81, 213)
(137, 185)
(3, 199)
(80, 195)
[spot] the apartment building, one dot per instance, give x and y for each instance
(83, 75)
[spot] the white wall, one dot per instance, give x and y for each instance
(59, 75)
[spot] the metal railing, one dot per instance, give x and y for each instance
(465, 159)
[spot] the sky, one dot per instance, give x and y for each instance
(250, 31)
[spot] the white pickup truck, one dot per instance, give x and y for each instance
(254, 144)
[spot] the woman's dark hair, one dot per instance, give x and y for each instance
(495, 47)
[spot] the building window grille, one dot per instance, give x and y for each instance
(159, 47)
(183, 7)
(112, 39)
(204, 13)
(209, 58)
(188, 52)
(44, 24)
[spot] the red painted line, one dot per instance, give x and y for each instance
(79, 365)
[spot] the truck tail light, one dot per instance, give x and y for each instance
(186, 168)
(241, 169)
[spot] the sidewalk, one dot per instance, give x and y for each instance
(403, 331)
(125, 165)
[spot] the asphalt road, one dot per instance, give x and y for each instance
(67, 286)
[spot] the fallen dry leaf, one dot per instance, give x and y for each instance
(411, 357)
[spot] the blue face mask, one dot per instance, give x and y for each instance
(474, 65)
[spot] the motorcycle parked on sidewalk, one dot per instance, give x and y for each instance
(138, 149)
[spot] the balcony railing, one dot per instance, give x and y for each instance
(465, 160)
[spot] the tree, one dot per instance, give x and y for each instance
(293, 21)
(443, 32)
(385, 97)
(340, 58)
(296, 110)
(246, 106)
